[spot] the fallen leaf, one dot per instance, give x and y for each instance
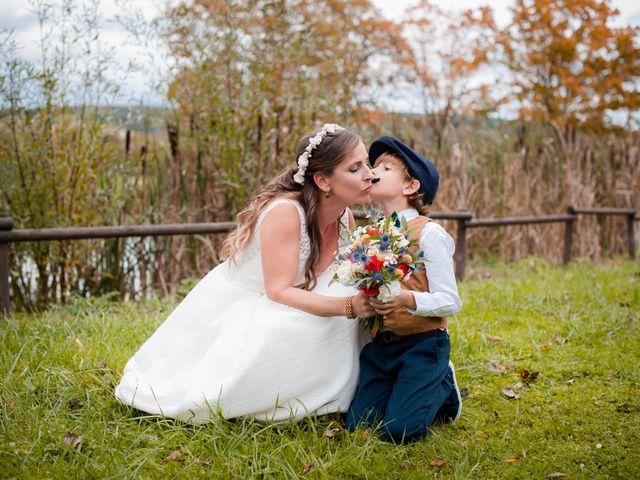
(72, 440)
(509, 393)
(496, 366)
(366, 432)
(571, 380)
(543, 346)
(175, 456)
(333, 433)
(75, 404)
(528, 376)
(462, 443)
(517, 386)
(557, 475)
(406, 465)
(437, 463)
(464, 392)
(493, 338)
(205, 463)
(307, 468)
(512, 458)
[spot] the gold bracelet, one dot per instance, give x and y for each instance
(348, 307)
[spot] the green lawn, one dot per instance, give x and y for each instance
(576, 327)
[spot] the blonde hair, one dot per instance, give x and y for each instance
(415, 199)
(334, 148)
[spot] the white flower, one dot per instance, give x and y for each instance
(345, 273)
(303, 160)
(403, 242)
(389, 291)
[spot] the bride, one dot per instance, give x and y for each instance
(263, 334)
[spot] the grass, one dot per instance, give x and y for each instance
(577, 326)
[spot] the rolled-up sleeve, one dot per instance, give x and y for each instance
(442, 298)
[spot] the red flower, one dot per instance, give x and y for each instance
(373, 231)
(374, 265)
(371, 291)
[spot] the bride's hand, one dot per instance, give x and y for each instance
(361, 306)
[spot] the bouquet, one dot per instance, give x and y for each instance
(375, 258)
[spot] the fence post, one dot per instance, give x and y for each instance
(630, 236)
(461, 245)
(568, 234)
(6, 223)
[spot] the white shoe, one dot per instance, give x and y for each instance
(457, 390)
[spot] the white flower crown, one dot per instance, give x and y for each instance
(303, 159)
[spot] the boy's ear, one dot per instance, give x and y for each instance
(322, 182)
(411, 187)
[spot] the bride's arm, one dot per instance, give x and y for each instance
(280, 246)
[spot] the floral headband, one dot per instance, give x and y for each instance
(303, 160)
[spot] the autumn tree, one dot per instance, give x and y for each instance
(571, 67)
(254, 76)
(448, 50)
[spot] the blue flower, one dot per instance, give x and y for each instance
(378, 277)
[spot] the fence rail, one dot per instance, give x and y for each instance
(463, 218)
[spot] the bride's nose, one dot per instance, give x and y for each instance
(369, 175)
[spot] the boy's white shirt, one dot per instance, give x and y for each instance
(442, 299)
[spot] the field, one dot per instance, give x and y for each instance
(548, 358)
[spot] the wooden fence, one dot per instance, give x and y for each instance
(463, 218)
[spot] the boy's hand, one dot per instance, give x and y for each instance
(362, 306)
(404, 299)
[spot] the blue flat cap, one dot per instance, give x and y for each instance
(419, 166)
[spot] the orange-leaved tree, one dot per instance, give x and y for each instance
(449, 49)
(571, 67)
(254, 76)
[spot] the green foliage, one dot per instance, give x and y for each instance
(577, 326)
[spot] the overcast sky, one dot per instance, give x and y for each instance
(16, 15)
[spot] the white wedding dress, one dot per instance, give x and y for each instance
(227, 349)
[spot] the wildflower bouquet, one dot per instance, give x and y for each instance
(375, 258)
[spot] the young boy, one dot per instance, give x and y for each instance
(406, 379)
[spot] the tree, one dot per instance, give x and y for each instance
(448, 50)
(571, 67)
(255, 76)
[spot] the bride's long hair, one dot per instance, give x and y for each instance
(334, 148)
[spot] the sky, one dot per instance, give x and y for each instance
(18, 16)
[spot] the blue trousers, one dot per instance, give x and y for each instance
(402, 384)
